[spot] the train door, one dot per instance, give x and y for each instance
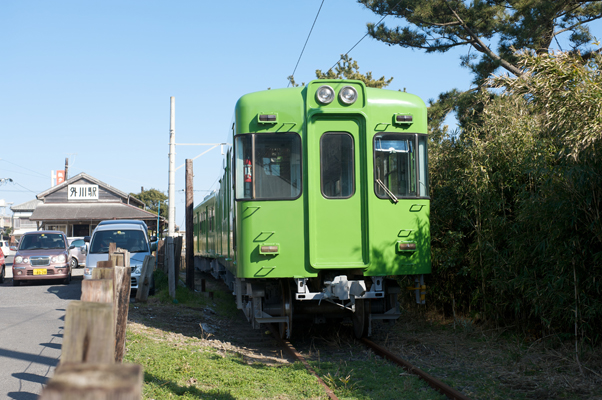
(336, 185)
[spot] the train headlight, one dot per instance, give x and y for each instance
(325, 94)
(348, 95)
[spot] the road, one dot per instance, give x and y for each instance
(31, 332)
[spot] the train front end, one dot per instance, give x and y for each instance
(330, 203)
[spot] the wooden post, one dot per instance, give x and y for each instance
(171, 276)
(145, 279)
(189, 226)
(98, 290)
(123, 284)
(89, 335)
(178, 256)
(102, 273)
(94, 382)
(161, 255)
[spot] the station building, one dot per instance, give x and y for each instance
(77, 205)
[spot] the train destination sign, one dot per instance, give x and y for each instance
(82, 192)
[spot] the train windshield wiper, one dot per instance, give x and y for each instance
(387, 191)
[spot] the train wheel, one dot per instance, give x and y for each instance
(286, 329)
(361, 318)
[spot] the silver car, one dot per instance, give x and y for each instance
(77, 252)
(5, 246)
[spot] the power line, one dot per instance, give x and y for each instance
(363, 37)
(25, 187)
(306, 40)
(45, 176)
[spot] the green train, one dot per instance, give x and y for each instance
(323, 203)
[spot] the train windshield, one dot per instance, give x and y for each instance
(268, 166)
(400, 165)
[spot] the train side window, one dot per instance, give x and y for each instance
(268, 166)
(243, 179)
(423, 182)
(337, 165)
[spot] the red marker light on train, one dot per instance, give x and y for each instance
(406, 246)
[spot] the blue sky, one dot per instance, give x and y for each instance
(91, 81)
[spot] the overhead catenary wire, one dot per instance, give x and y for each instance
(306, 40)
(363, 37)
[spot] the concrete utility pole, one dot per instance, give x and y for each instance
(172, 170)
(66, 168)
(170, 251)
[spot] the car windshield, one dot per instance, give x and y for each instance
(43, 241)
(130, 240)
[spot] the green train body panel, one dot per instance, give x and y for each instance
(312, 232)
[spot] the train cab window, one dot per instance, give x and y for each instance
(337, 165)
(268, 166)
(398, 168)
(423, 184)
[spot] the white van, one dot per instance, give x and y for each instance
(130, 235)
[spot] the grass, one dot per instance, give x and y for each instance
(190, 370)
(181, 362)
(374, 379)
(196, 372)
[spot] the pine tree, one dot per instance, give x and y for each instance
(493, 28)
(346, 68)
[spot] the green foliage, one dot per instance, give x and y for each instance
(346, 68)
(440, 25)
(151, 198)
(7, 231)
(292, 82)
(516, 200)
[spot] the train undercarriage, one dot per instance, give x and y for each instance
(343, 295)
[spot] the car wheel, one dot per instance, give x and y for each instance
(2, 274)
(67, 279)
(73, 263)
(16, 283)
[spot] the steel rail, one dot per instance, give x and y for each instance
(295, 354)
(434, 383)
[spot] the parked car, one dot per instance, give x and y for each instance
(2, 267)
(130, 235)
(42, 255)
(5, 246)
(77, 251)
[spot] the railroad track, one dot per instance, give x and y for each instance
(436, 384)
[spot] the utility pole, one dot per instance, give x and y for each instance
(172, 171)
(170, 250)
(66, 168)
(189, 226)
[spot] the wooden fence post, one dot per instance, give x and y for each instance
(94, 382)
(89, 335)
(161, 255)
(145, 279)
(98, 290)
(123, 283)
(171, 268)
(178, 253)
